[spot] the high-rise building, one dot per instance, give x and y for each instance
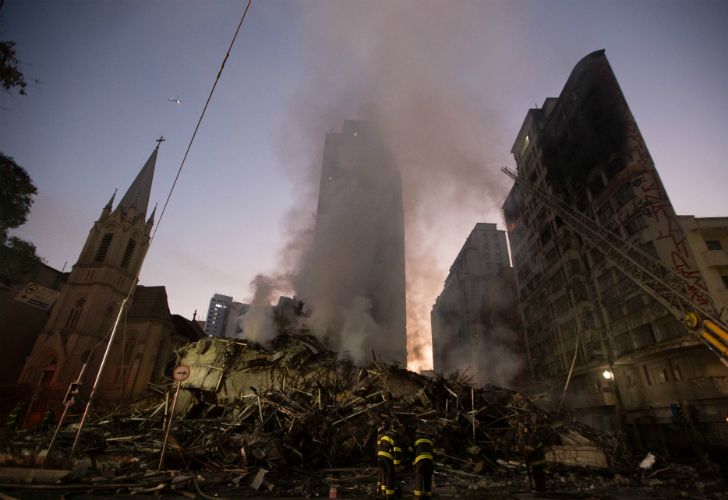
(474, 320)
(353, 278)
(625, 357)
(234, 324)
(217, 315)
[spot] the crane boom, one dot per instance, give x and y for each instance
(681, 298)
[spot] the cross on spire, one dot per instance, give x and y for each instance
(160, 141)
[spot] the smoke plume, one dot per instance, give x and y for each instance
(400, 65)
(257, 323)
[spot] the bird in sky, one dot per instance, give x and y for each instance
(176, 100)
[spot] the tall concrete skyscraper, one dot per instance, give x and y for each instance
(354, 277)
(475, 318)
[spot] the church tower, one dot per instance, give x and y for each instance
(99, 281)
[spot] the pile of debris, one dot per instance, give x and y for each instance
(295, 411)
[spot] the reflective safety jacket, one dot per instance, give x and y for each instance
(423, 447)
(386, 446)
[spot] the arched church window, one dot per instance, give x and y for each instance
(47, 368)
(103, 247)
(75, 313)
(128, 253)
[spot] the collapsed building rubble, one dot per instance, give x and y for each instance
(292, 418)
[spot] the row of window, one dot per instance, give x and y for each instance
(658, 375)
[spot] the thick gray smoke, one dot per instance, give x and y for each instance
(406, 66)
(353, 275)
(257, 323)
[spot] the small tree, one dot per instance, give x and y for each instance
(10, 76)
(17, 257)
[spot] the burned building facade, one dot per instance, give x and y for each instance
(633, 361)
(475, 320)
(353, 277)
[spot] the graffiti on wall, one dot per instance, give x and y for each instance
(670, 234)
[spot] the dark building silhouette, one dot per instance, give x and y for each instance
(475, 327)
(633, 360)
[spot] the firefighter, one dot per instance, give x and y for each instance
(423, 462)
(533, 454)
(14, 418)
(385, 459)
(380, 465)
(397, 456)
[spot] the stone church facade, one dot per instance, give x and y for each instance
(83, 317)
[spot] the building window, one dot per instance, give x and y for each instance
(635, 224)
(635, 303)
(545, 235)
(643, 336)
(670, 328)
(524, 146)
(596, 186)
(128, 253)
(605, 280)
(605, 212)
(650, 249)
(624, 194)
(648, 379)
(676, 373)
(614, 310)
(75, 313)
(622, 344)
(552, 256)
(588, 319)
(578, 290)
(713, 245)
(103, 247)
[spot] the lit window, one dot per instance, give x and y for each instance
(524, 146)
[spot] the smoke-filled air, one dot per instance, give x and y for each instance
(398, 67)
(257, 322)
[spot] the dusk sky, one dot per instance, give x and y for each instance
(462, 72)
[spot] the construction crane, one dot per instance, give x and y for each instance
(663, 284)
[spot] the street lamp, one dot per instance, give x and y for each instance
(607, 374)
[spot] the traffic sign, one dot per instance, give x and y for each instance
(181, 373)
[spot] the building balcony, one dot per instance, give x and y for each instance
(715, 258)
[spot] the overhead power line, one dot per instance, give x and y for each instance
(124, 303)
(199, 121)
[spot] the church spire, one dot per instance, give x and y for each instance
(110, 204)
(150, 220)
(137, 197)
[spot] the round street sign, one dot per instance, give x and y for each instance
(181, 373)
